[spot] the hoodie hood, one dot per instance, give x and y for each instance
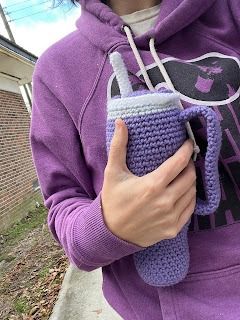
(97, 18)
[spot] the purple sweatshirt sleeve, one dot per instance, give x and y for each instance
(75, 220)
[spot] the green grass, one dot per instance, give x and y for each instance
(7, 258)
(45, 270)
(57, 281)
(18, 231)
(21, 305)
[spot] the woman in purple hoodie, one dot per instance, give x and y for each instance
(99, 212)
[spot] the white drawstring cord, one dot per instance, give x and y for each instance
(139, 59)
(160, 65)
(162, 69)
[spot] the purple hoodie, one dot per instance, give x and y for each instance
(199, 44)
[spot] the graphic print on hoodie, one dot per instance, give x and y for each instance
(212, 80)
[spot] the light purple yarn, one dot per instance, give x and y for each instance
(214, 138)
(153, 138)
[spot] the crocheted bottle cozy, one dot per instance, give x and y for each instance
(156, 130)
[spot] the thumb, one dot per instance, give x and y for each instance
(118, 147)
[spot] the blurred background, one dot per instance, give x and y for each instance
(36, 24)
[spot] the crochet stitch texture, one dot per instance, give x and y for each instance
(156, 130)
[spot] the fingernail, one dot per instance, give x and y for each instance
(118, 123)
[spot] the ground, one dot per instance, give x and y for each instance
(32, 267)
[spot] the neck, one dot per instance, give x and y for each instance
(122, 7)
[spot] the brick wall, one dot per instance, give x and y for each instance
(17, 172)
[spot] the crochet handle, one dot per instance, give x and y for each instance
(211, 175)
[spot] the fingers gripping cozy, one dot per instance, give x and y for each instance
(156, 130)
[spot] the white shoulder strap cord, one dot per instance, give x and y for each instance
(165, 75)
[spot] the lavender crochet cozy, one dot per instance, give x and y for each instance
(156, 129)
